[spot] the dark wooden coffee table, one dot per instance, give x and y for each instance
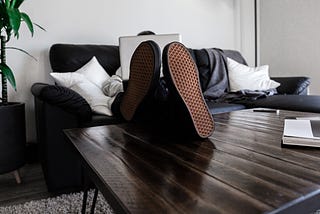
(242, 168)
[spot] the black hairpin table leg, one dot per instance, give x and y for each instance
(84, 200)
(86, 187)
(94, 200)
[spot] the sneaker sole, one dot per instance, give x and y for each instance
(185, 78)
(143, 67)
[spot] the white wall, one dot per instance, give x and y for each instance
(202, 23)
(245, 29)
(290, 38)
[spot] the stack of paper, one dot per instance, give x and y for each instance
(302, 132)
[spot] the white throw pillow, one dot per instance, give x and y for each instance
(243, 77)
(94, 72)
(98, 102)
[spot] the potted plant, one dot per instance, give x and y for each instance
(12, 114)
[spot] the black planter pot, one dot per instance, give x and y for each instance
(12, 136)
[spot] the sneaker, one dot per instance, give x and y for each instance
(183, 81)
(143, 77)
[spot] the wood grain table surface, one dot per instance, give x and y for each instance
(241, 168)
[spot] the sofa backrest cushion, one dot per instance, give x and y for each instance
(235, 55)
(71, 57)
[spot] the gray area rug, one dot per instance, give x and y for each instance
(67, 203)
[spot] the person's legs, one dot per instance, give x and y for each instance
(185, 95)
(115, 106)
(175, 105)
(143, 80)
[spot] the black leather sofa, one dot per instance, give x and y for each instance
(58, 108)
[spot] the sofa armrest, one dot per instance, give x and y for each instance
(63, 97)
(292, 85)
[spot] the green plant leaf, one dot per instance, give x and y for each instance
(23, 51)
(7, 3)
(7, 72)
(13, 2)
(18, 3)
(39, 26)
(15, 20)
(27, 19)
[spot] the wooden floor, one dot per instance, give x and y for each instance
(32, 187)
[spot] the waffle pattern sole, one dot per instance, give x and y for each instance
(184, 75)
(142, 73)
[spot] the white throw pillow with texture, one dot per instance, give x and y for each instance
(94, 72)
(98, 102)
(242, 77)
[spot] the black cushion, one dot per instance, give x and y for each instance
(236, 56)
(306, 103)
(292, 85)
(218, 108)
(63, 97)
(70, 57)
(100, 120)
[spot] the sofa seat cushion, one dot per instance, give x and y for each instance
(306, 103)
(100, 120)
(218, 108)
